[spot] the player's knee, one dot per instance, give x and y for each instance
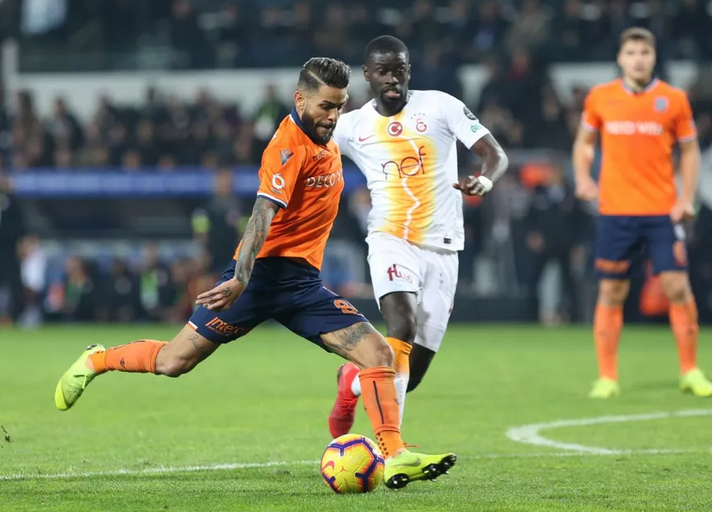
(676, 286)
(613, 293)
(402, 325)
(381, 353)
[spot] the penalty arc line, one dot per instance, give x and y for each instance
(530, 434)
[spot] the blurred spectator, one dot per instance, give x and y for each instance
(691, 29)
(33, 263)
(531, 26)
(556, 228)
(269, 114)
(485, 33)
(5, 131)
(64, 127)
(121, 293)
(183, 304)
(216, 225)
(235, 33)
(11, 231)
(146, 143)
(435, 71)
(79, 292)
(186, 37)
(155, 285)
(569, 24)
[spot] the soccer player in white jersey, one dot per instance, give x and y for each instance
(405, 144)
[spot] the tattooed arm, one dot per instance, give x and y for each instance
(225, 294)
(254, 238)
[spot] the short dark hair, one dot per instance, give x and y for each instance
(637, 34)
(319, 71)
(385, 44)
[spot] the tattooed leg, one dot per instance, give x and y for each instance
(183, 353)
(361, 344)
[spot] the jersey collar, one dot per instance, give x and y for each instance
(651, 85)
(297, 120)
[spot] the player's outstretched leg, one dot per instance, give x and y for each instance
(607, 326)
(172, 359)
(365, 347)
(400, 312)
(685, 327)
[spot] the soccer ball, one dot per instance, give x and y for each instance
(352, 463)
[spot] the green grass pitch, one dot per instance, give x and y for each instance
(141, 442)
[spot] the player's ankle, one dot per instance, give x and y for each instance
(400, 451)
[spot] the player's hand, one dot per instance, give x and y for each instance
(474, 186)
(222, 296)
(682, 211)
(587, 190)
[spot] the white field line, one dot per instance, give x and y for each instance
(158, 470)
(530, 434)
(258, 465)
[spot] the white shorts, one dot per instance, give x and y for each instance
(400, 266)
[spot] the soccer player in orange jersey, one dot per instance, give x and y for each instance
(275, 275)
(640, 119)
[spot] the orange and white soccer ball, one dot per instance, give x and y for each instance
(352, 464)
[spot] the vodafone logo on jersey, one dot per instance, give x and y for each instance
(633, 128)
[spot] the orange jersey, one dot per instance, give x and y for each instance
(305, 179)
(638, 133)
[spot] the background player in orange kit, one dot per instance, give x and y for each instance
(275, 275)
(640, 119)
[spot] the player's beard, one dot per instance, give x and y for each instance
(310, 127)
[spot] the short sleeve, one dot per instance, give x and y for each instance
(280, 169)
(590, 118)
(342, 134)
(461, 122)
(685, 129)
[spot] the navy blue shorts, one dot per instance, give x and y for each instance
(624, 240)
(283, 290)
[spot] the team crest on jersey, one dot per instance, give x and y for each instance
(469, 114)
(395, 129)
(661, 104)
(285, 155)
(419, 122)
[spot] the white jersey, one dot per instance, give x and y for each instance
(410, 163)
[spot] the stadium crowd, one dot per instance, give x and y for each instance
(517, 103)
(111, 34)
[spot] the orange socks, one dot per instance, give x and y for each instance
(379, 399)
(683, 320)
(401, 364)
(137, 357)
(607, 326)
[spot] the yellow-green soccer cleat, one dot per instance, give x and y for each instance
(696, 383)
(72, 384)
(605, 388)
(408, 467)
